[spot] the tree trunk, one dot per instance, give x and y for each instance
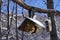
(53, 33)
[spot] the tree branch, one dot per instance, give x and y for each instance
(19, 2)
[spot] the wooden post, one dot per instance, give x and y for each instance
(53, 33)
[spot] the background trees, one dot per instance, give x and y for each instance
(27, 6)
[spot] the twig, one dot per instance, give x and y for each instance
(16, 25)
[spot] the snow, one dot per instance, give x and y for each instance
(41, 35)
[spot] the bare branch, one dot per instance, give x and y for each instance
(19, 2)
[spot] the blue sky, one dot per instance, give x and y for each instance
(57, 4)
(38, 3)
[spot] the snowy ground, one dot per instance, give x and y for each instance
(43, 35)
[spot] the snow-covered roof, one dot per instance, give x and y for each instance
(37, 22)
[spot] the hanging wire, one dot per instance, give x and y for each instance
(8, 28)
(16, 25)
(0, 21)
(31, 12)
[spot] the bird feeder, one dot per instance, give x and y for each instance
(48, 25)
(30, 25)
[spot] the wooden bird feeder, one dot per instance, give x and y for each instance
(30, 25)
